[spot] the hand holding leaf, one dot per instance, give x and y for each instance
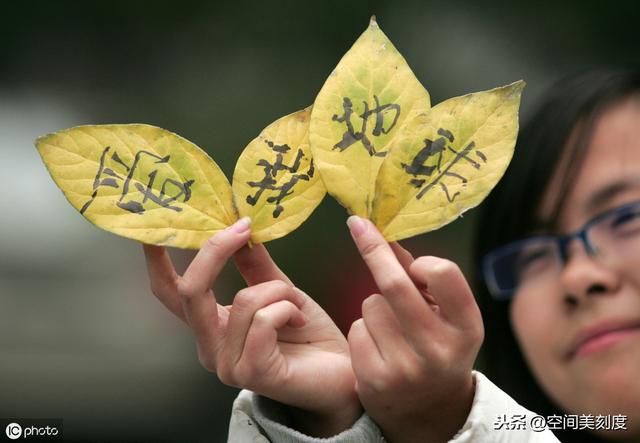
(274, 339)
(372, 138)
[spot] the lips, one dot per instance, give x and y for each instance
(601, 336)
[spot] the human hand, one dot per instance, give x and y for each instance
(414, 348)
(274, 339)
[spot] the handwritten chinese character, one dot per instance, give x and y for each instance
(170, 191)
(379, 113)
(432, 152)
(271, 171)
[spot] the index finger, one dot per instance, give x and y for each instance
(390, 276)
(163, 278)
(256, 266)
(212, 257)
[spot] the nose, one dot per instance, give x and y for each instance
(584, 275)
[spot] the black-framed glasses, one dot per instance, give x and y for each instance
(612, 234)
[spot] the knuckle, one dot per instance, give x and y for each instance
(473, 330)
(477, 335)
(245, 374)
(451, 359)
(207, 361)
(386, 380)
(215, 242)
(423, 263)
(445, 267)
(480, 338)
(367, 303)
(371, 378)
(355, 329)
(368, 388)
(155, 289)
(370, 303)
(279, 286)
(480, 332)
(413, 374)
(434, 268)
(430, 263)
(447, 356)
(395, 283)
(186, 289)
(226, 376)
(254, 297)
(372, 248)
(244, 299)
(261, 319)
(405, 372)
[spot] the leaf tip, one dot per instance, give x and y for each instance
(513, 90)
(40, 140)
(373, 22)
(518, 86)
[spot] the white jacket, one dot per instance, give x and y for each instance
(494, 418)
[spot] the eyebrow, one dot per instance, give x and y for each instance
(604, 195)
(593, 204)
(541, 225)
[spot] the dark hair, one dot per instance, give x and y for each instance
(561, 123)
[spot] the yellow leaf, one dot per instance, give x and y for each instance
(447, 161)
(275, 181)
(141, 182)
(362, 108)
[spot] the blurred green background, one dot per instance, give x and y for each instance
(81, 336)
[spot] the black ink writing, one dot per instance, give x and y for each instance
(170, 191)
(270, 179)
(433, 151)
(380, 113)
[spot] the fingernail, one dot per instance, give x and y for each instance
(357, 226)
(241, 225)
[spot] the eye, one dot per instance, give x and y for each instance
(626, 223)
(533, 259)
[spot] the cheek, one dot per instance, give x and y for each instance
(528, 322)
(538, 330)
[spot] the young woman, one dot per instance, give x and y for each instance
(572, 193)
(565, 337)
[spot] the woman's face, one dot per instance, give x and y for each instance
(580, 332)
